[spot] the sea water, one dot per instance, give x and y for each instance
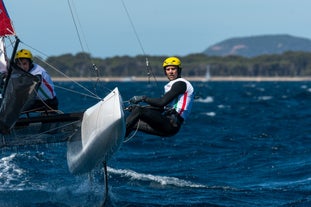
(245, 144)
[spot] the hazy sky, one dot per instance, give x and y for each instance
(163, 27)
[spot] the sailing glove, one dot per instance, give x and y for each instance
(137, 99)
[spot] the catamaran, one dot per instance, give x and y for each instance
(92, 136)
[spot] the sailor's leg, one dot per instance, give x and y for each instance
(132, 119)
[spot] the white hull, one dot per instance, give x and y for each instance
(102, 133)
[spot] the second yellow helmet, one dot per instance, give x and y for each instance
(23, 53)
(172, 61)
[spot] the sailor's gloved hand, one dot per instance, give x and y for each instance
(137, 99)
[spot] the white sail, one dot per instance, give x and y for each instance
(207, 74)
(3, 58)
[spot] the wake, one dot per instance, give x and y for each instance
(163, 180)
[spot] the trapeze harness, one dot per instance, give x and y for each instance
(180, 107)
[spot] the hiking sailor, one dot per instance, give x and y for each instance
(165, 115)
(46, 96)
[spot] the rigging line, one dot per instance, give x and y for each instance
(12, 42)
(80, 85)
(93, 95)
(74, 18)
(58, 127)
(133, 27)
(94, 66)
(44, 103)
(73, 91)
(149, 70)
(75, 24)
(133, 135)
(34, 49)
(60, 72)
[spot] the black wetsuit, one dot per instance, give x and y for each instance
(155, 119)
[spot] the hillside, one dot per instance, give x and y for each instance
(259, 45)
(258, 56)
(288, 64)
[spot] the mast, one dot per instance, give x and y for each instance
(10, 65)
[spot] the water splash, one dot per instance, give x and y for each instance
(9, 171)
(163, 180)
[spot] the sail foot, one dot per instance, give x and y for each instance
(19, 91)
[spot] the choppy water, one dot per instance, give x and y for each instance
(245, 144)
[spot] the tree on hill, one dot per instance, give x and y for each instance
(287, 64)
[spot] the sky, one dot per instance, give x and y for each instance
(109, 28)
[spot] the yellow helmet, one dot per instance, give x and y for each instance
(172, 61)
(23, 53)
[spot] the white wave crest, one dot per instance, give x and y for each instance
(210, 113)
(9, 171)
(264, 98)
(208, 99)
(163, 180)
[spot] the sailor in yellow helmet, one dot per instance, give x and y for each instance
(46, 96)
(164, 115)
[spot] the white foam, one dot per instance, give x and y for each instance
(264, 98)
(163, 180)
(208, 99)
(221, 106)
(210, 114)
(9, 171)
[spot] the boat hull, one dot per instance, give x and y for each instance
(102, 133)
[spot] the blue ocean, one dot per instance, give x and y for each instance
(245, 144)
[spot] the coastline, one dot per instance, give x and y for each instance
(202, 79)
